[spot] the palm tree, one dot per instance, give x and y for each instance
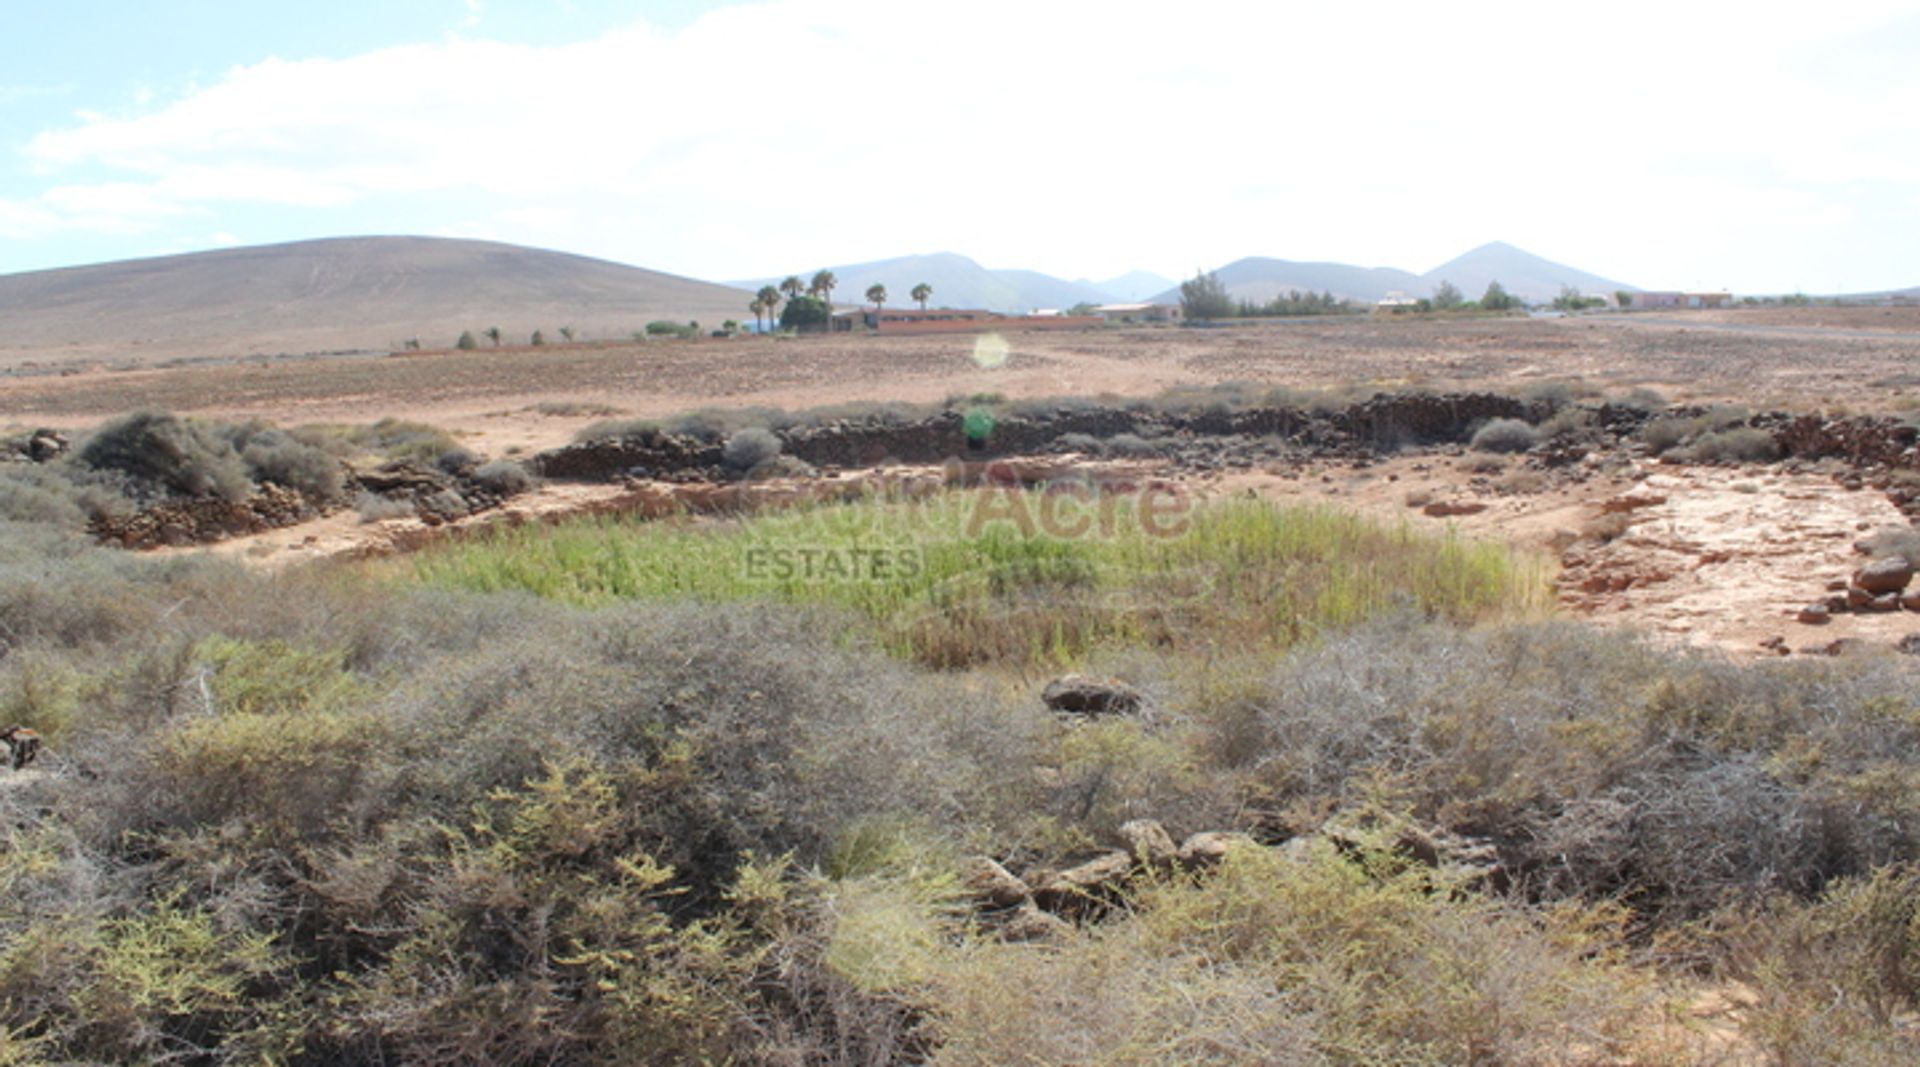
(493, 334)
(793, 286)
(771, 298)
(759, 309)
(822, 287)
(566, 332)
(878, 294)
(921, 292)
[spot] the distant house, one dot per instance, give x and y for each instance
(1139, 312)
(1679, 300)
(1396, 301)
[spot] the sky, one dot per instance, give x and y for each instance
(1758, 146)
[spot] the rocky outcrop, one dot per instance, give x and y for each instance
(1860, 440)
(38, 446)
(1382, 422)
(203, 520)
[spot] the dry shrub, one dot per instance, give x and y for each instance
(1893, 541)
(167, 454)
(1505, 435)
(504, 477)
(1604, 768)
(1831, 979)
(1738, 445)
(748, 448)
(1277, 959)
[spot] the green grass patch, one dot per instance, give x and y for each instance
(1023, 577)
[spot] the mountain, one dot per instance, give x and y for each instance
(1520, 272)
(1135, 285)
(1259, 280)
(1039, 290)
(336, 294)
(957, 282)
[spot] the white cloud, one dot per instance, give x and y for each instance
(1072, 137)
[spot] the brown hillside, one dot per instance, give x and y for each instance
(340, 294)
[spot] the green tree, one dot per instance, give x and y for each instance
(566, 334)
(759, 309)
(1446, 296)
(878, 294)
(792, 286)
(1204, 297)
(538, 338)
(1623, 298)
(466, 343)
(1498, 299)
(805, 313)
(921, 292)
(493, 334)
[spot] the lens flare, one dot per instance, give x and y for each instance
(990, 350)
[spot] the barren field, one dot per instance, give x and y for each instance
(1687, 357)
(1765, 536)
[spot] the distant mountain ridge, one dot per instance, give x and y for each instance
(961, 282)
(338, 294)
(1520, 272)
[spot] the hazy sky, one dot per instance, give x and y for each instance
(1752, 146)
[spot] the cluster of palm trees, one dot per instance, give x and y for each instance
(766, 303)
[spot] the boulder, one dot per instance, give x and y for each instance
(1909, 644)
(1093, 880)
(46, 445)
(994, 884)
(1029, 923)
(1209, 848)
(1911, 599)
(1149, 842)
(1443, 509)
(1814, 614)
(1888, 574)
(1078, 694)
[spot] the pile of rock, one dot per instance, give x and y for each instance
(1883, 584)
(204, 520)
(1041, 902)
(40, 446)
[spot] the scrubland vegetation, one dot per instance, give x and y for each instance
(616, 793)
